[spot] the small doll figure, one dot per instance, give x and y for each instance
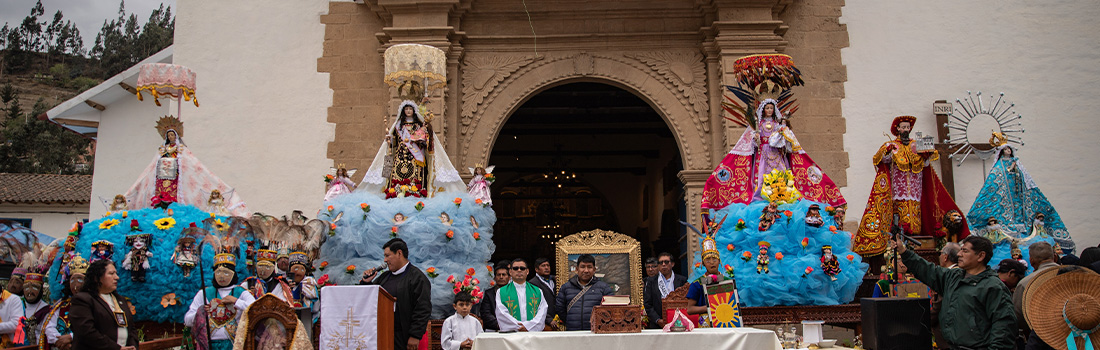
(398, 218)
(184, 255)
(445, 219)
(341, 183)
(137, 260)
(829, 263)
(216, 204)
(119, 204)
(479, 185)
(768, 216)
(762, 259)
(473, 221)
(838, 217)
(1018, 254)
(102, 250)
(813, 216)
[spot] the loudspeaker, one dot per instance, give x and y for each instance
(896, 323)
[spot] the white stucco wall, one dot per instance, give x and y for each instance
(54, 220)
(127, 141)
(262, 123)
(903, 55)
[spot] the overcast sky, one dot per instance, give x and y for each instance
(88, 15)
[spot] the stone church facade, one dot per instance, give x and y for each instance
(669, 53)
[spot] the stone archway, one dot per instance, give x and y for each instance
(673, 82)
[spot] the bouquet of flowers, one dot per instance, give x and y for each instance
(779, 187)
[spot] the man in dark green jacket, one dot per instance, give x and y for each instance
(977, 309)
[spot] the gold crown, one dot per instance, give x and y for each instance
(998, 139)
(78, 265)
(266, 255)
(168, 122)
(710, 247)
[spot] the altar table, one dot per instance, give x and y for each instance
(700, 338)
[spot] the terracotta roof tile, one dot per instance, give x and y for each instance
(45, 188)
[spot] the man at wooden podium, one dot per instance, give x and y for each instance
(409, 285)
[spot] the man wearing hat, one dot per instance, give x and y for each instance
(266, 280)
(977, 309)
(1064, 311)
(1011, 271)
(15, 282)
(56, 331)
(907, 191)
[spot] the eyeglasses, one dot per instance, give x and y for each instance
(664, 262)
(519, 268)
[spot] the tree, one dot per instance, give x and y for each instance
(37, 146)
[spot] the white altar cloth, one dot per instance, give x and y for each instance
(700, 338)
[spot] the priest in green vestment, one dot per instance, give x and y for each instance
(520, 305)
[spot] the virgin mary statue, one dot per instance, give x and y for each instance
(411, 162)
(1011, 197)
(176, 176)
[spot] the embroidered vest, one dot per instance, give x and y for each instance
(222, 315)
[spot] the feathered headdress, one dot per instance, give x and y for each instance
(306, 237)
(36, 271)
(269, 233)
(225, 237)
(760, 78)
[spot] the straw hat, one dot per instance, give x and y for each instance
(1068, 300)
(1041, 277)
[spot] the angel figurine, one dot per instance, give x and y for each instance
(479, 185)
(184, 256)
(341, 183)
(102, 249)
(119, 204)
(137, 260)
(216, 204)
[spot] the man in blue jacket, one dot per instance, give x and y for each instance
(577, 297)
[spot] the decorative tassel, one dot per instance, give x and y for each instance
(156, 100)
(20, 336)
(139, 96)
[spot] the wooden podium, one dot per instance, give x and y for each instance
(356, 317)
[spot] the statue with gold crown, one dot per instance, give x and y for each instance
(176, 176)
(1011, 198)
(411, 162)
(768, 162)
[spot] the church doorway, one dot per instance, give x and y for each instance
(580, 156)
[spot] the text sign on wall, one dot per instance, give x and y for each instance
(941, 108)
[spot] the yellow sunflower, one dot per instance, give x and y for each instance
(107, 224)
(219, 225)
(165, 223)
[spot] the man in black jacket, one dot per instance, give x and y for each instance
(545, 281)
(410, 286)
(658, 287)
(487, 307)
(577, 297)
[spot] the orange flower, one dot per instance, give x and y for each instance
(779, 256)
(458, 201)
(746, 254)
(431, 270)
(332, 225)
(729, 247)
(832, 228)
(470, 271)
(477, 201)
(788, 213)
(851, 257)
(477, 236)
(363, 205)
(393, 230)
(324, 264)
(450, 234)
(330, 208)
(698, 264)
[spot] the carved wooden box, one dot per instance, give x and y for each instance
(617, 319)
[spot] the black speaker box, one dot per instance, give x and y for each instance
(896, 323)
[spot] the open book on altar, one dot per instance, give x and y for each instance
(722, 305)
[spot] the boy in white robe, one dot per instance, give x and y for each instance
(460, 329)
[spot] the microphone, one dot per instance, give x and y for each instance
(374, 271)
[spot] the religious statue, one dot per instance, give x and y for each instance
(1018, 254)
(479, 185)
(411, 162)
(102, 249)
(994, 232)
(137, 259)
(762, 259)
(905, 185)
(184, 254)
(829, 263)
(1011, 195)
(813, 216)
(767, 151)
(838, 217)
(341, 183)
(176, 176)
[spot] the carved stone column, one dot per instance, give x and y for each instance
(693, 195)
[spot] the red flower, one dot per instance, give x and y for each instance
(458, 201)
(330, 208)
(451, 279)
(470, 271)
(477, 236)
(475, 282)
(450, 234)
(729, 247)
(788, 213)
(851, 257)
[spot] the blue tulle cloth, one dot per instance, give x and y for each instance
(1003, 250)
(360, 236)
(787, 283)
(163, 276)
(1014, 199)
